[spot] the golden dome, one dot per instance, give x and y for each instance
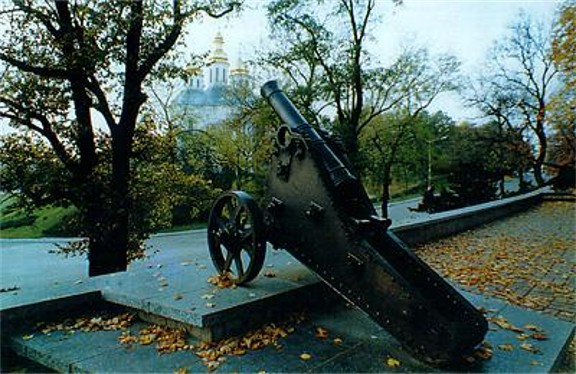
(218, 54)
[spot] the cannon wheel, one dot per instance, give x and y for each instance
(236, 237)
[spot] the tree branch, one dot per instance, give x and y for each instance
(38, 70)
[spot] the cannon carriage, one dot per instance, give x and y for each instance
(317, 210)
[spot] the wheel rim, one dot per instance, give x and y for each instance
(235, 237)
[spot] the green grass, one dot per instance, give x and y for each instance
(15, 223)
(191, 226)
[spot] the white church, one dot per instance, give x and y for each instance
(202, 101)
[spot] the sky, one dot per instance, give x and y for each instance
(463, 28)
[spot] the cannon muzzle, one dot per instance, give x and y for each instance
(341, 178)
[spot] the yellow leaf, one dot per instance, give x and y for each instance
(539, 336)
(212, 365)
(178, 296)
(321, 333)
(506, 347)
(532, 327)
(337, 341)
(392, 362)
(529, 347)
(483, 353)
(147, 339)
(28, 337)
(305, 356)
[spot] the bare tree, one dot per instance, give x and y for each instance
(519, 83)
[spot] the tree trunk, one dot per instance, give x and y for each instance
(385, 192)
(110, 241)
(106, 255)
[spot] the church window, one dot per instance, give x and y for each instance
(210, 75)
(216, 74)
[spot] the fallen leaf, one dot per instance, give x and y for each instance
(483, 353)
(222, 281)
(486, 310)
(337, 341)
(269, 274)
(321, 333)
(535, 363)
(146, 339)
(529, 347)
(392, 362)
(533, 328)
(521, 336)
(9, 289)
(181, 371)
(539, 336)
(506, 347)
(127, 338)
(210, 305)
(305, 356)
(212, 365)
(178, 296)
(207, 296)
(28, 337)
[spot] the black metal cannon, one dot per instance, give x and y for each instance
(318, 211)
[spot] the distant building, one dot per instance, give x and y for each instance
(202, 101)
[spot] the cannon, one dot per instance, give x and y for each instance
(317, 209)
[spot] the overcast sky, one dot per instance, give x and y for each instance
(464, 28)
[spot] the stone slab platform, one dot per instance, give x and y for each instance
(180, 293)
(365, 347)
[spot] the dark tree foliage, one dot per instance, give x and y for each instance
(65, 61)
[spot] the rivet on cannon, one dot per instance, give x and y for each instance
(275, 204)
(314, 211)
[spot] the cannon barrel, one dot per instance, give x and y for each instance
(339, 174)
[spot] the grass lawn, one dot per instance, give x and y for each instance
(15, 223)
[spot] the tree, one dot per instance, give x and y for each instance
(420, 79)
(564, 42)
(478, 163)
(400, 137)
(66, 61)
(519, 84)
(563, 104)
(322, 52)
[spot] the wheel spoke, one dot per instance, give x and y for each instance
(228, 261)
(239, 264)
(220, 224)
(246, 239)
(234, 217)
(227, 210)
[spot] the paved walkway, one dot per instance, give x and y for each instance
(176, 275)
(528, 259)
